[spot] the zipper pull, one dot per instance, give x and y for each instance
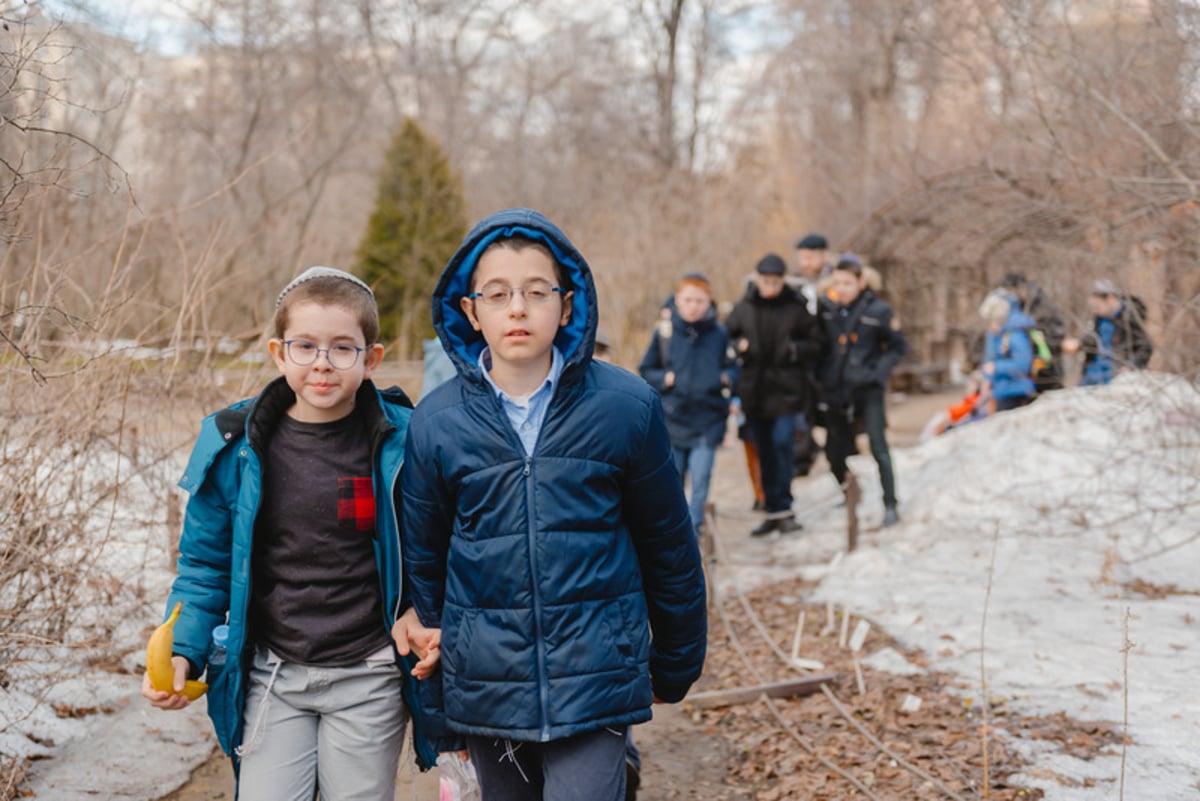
(526, 472)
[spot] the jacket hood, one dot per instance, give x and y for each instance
(463, 343)
(1018, 321)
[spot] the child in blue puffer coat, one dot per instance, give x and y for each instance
(546, 533)
(1007, 352)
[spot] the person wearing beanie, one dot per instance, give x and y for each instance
(291, 545)
(776, 339)
(812, 262)
(1118, 340)
(865, 345)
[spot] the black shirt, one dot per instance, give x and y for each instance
(315, 596)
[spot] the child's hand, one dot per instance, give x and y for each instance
(426, 643)
(163, 699)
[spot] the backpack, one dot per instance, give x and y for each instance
(1043, 357)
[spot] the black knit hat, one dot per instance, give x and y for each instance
(1013, 280)
(770, 264)
(812, 242)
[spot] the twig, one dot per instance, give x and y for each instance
(1126, 647)
(984, 702)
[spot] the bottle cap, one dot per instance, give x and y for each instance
(220, 635)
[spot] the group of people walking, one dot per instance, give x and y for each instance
(793, 351)
(511, 569)
(1025, 345)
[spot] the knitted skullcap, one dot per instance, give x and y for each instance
(322, 272)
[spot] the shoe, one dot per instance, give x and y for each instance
(787, 525)
(890, 518)
(759, 506)
(633, 779)
(766, 527)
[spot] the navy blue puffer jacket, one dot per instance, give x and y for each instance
(568, 585)
(698, 354)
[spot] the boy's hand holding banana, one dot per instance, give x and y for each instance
(166, 684)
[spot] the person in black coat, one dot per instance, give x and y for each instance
(864, 346)
(776, 338)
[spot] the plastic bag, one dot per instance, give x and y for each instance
(457, 781)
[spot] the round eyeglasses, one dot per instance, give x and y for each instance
(304, 353)
(494, 294)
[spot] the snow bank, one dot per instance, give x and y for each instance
(1082, 514)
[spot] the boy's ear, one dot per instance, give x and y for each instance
(276, 347)
(468, 307)
(372, 358)
(567, 307)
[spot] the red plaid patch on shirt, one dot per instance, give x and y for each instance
(356, 503)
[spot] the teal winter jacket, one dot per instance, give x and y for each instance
(224, 480)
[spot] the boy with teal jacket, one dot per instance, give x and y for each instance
(291, 537)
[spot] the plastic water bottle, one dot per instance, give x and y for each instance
(739, 417)
(220, 639)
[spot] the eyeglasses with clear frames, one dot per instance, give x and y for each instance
(304, 353)
(534, 292)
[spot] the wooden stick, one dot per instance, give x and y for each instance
(845, 627)
(799, 634)
(744, 695)
(861, 629)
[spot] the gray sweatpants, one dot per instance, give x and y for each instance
(337, 728)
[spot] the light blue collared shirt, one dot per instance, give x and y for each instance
(526, 418)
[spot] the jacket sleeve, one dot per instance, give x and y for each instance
(894, 346)
(205, 558)
(425, 524)
(673, 578)
(804, 345)
(652, 369)
(729, 362)
(1141, 348)
(1017, 363)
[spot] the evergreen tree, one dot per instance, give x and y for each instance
(418, 222)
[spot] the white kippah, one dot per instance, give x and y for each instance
(322, 272)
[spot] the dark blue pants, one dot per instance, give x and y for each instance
(774, 436)
(588, 767)
(839, 442)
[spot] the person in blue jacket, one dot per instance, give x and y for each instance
(1007, 352)
(546, 533)
(291, 538)
(690, 364)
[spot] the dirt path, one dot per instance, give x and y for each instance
(682, 759)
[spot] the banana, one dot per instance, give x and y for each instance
(158, 659)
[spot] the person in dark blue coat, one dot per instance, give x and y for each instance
(689, 363)
(545, 529)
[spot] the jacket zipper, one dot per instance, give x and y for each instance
(543, 691)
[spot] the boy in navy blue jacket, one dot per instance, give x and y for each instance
(545, 529)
